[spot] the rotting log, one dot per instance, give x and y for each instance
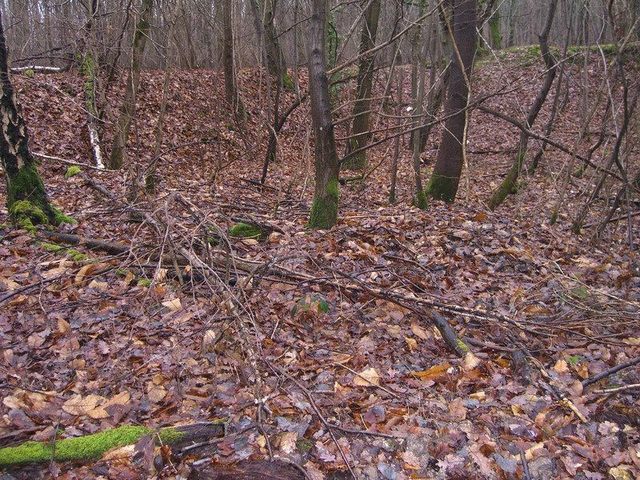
(96, 445)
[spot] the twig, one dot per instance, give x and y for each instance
(611, 371)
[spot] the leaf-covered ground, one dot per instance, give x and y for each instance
(334, 366)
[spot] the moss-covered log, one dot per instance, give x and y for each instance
(94, 446)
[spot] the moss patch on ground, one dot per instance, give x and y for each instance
(72, 171)
(245, 230)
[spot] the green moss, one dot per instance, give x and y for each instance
(76, 256)
(88, 447)
(245, 230)
(80, 448)
(62, 218)
(442, 188)
(357, 161)
(287, 82)
(462, 347)
(72, 171)
(144, 282)
(420, 200)
(324, 211)
(304, 445)
(51, 247)
(29, 72)
(27, 215)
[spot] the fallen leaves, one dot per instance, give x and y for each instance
(94, 406)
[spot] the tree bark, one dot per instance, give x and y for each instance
(27, 198)
(227, 55)
(360, 130)
(128, 109)
(450, 159)
(324, 211)
(264, 13)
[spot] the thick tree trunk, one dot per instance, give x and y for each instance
(508, 185)
(446, 174)
(360, 130)
(27, 199)
(128, 109)
(324, 211)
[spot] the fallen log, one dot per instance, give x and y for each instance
(96, 445)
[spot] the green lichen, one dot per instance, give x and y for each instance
(51, 247)
(245, 230)
(29, 72)
(72, 171)
(324, 210)
(443, 188)
(88, 447)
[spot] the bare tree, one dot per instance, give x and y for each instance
(360, 131)
(128, 109)
(451, 154)
(324, 211)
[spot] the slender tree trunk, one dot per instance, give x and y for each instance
(230, 84)
(27, 199)
(508, 185)
(89, 69)
(451, 154)
(264, 14)
(360, 130)
(128, 109)
(324, 211)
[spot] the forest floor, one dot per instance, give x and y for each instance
(325, 355)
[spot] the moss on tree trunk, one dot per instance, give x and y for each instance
(27, 199)
(442, 187)
(324, 211)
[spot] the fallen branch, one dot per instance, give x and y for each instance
(95, 446)
(611, 371)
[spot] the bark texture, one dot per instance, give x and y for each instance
(128, 110)
(360, 130)
(324, 211)
(26, 196)
(450, 159)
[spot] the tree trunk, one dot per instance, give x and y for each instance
(230, 84)
(264, 13)
(360, 130)
(128, 109)
(27, 199)
(508, 185)
(451, 154)
(324, 211)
